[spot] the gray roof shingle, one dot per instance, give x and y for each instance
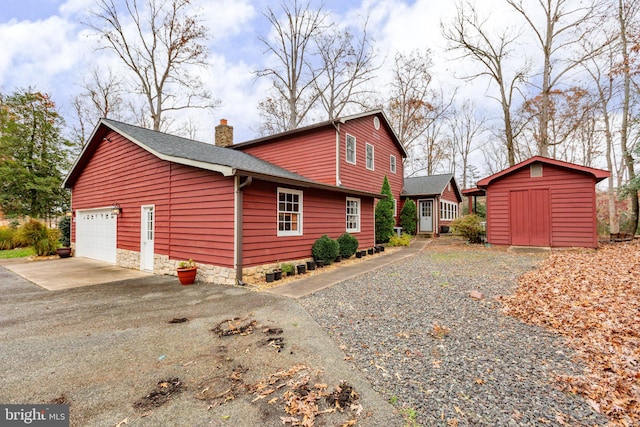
(426, 185)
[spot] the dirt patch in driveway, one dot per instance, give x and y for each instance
(151, 352)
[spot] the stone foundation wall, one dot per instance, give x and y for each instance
(207, 273)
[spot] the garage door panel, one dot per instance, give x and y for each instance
(96, 234)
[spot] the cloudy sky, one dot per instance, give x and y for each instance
(46, 46)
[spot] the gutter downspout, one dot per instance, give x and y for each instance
(238, 225)
(337, 127)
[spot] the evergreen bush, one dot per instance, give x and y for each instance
(384, 214)
(64, 225)
(325, 249)
(348, 245)
(408, 216)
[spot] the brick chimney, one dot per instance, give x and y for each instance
(224, 134)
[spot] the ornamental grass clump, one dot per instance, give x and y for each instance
(7, 238)
(325, 249)
(35, 233)
(348, 245)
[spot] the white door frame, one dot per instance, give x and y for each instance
(428, 226)
(147, 237)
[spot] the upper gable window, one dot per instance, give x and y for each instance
(351, 149)
(369, 152)
(289, 212)
(536, 170)
(376, 123)
(392, 164)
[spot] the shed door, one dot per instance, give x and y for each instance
(96, 234)
(529, 217)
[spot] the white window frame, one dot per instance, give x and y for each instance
(346, 148)
(299, 212)
(355, 229)
(395, 208)
(392, 163)
(448, 210)
(366, 156)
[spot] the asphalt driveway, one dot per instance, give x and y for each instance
(110, 350)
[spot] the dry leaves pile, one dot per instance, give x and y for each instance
(593, 299)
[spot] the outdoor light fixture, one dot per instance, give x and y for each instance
(116, 209)
(69, 214)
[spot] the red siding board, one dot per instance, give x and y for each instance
(323, 213)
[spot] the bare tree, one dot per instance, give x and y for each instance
(409, 105)
(627, 12)
(466, 128)
(564, 27)
(347, 65)
(160, 42)
(101, 97)
(467, 34)
(291, 76)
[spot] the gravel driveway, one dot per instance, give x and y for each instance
(446, 359)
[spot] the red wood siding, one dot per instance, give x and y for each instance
(193, 208)
(201, 222)
(571, 207)
(311, 155)
(358, 176)
(323, 213)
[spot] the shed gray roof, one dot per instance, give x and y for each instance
(197, 154)
(426, 185)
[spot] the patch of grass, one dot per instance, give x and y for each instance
(410, 416)
(17, 253)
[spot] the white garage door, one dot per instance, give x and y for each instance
(96, 234)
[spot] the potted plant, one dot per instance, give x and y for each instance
(187, 271)
(338, 259)
(370, 251)
(269, 276)
(288, 269)
(311, 265)
(301, 268)
(277, 273)
(319, 263)
(64, 225)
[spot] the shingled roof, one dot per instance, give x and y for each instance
(197, 154)
(432, 185)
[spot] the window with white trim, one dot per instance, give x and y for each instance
(369, 154)
(448, 210)
(353, 215)
(289, 212)
(392, 163)
(395, 207)
(351, 149)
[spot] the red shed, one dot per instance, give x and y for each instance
(543, 202)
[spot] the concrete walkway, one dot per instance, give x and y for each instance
(308, 285)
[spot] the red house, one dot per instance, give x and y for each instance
(543, 202)
(148, 200)
(437, 199)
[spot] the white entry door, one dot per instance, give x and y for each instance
(146, 238)
(425, 210)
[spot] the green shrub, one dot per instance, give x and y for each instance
(408, 216)
(287, 268)
(43, 239)
(469, 227)
(325, 249)
(7, 238)
(384, 214)
(348, 245)
(64, 225)
(404, 240)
